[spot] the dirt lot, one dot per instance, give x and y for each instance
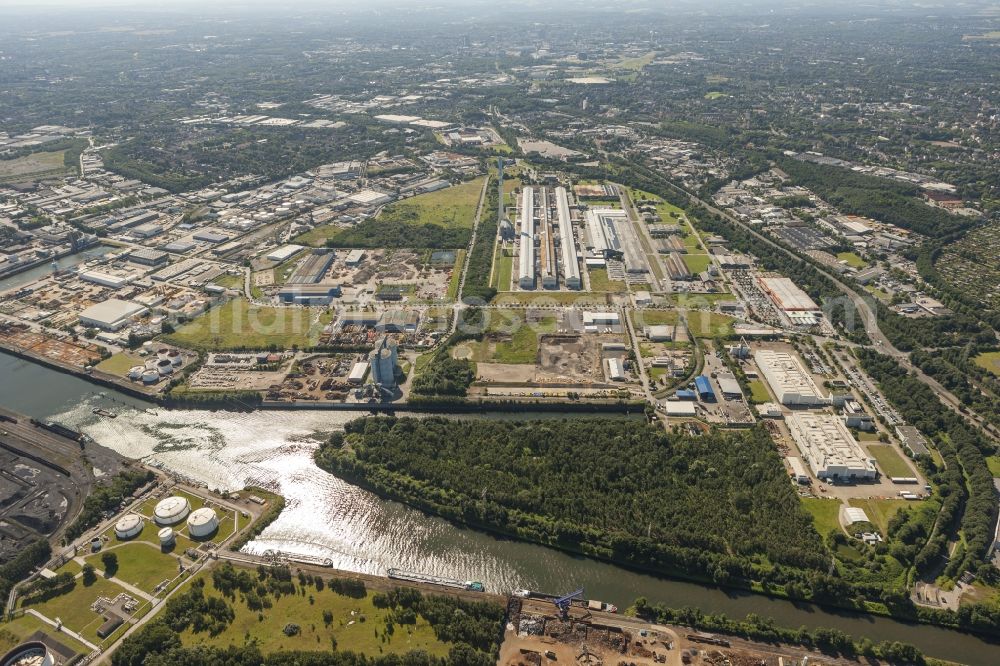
(78, 354)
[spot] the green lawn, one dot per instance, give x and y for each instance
(993, 462)
(634, 64)
(880, 511)
(73, 608)
(852, 259)
(642, 318)
(230, 281)
(692, 243)
(599, 282)
(825, 513)
(709, 324)
(696, 263)
(521, 348)
(357, 625)
(139, 564)
(889, 461)
(505, 268)
(238, 324)
(120, 363)
(989, 361)
(574, 298)
(715, 94)
(456, 275)
(451, 207)
(20, 628)
(758, 392)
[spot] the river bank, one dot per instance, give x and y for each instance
(328, 518)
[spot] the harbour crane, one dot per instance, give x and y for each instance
(563, 602)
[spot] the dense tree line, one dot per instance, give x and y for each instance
(881, 199)
(474, 628)
(106, 498)
(380, 232)
(445, 376)
(967, 486)
(480, 260)
(761, 629)
(615, 489)
(19, 568)
(973, 386)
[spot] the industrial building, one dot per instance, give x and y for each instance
(911, 438)
(788, 380)
(729, 386)
(616, 372)
(383, 362)
(354, 257)
(567, 246)
(313, 268)
(110, 315)
(284, 253)
(829, 447)
(786, 296)
(594, 322)
(659, 333)
(680, 408)
(612, 236)
(799, 471)
(358, 372)
(546, 244)
(316, 294)
(526, 251)
(108, 280)
(148, 257)
(704, 388)
(676, 268)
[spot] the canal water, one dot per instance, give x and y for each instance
(43, 269)
(357, 531)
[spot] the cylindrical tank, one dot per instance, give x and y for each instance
(164, 367)
(150, 377)
(128, 526)
(32, 653)
(171, 510)
(202, 523)
(135, 372)
(166, 537)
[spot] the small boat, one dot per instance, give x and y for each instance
(104, 412)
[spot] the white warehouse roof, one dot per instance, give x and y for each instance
(284, 253)
(786, 295)
(853, 514)
(110, 315)
(788, 379)
(829, 447)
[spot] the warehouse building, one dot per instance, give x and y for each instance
(107, 279)
(313, 268)
(613, 236)
(148, 257)
(567, 246)
(704, 388)
(799, 471)
(616, 372)
(729, 386)
(788, 380)
(526, 251)
(679, 408)
(308, 294)
(284, 253)
(829, 447)
(676, 268)
(786, 296)
(110, 315)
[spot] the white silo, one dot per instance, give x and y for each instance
(166, 537)
(383, 362)
(129, 526)
(171, 510)
(202, 523)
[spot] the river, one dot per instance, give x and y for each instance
(43, 269)
(360, 532)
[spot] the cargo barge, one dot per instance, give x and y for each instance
(415, 577)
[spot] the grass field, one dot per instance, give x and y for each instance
(709, 324)
(758, 392)
(32, 167)
(880, 511)
(697, 300)
(641, 318)
(599, 282)
(825, 513)
(574, 298)
(120, 363)
(357, 625)
(522, 346)
(634, 64)
(505, 268)
(451, 207)
(230, 281)
(993, 462)
(456, 275)
(989, 361)
(140, 564)
(19, 629)
(852, 259)
(73, 608)
(715, 94)
(696, 263)
(889, 461)
(238, 324)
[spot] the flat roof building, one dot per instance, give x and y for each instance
(110, 315)
(284, 253)
(526, 250)
(788, 380)
(729, 386)
(567, 246)
(829, 447)
(148, 257)
(680, 408)
(786, 295)
(616, 372)
(309, 294)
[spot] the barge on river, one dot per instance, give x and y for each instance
(416, 577)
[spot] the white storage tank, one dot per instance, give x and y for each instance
(164, 367)
(166, 537)
(135, 372)
(129, 526)
(202, 523)
(150, 377)
(171, 510)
